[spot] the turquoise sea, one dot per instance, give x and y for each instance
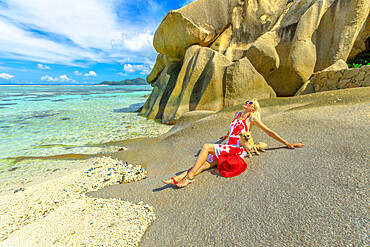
(52, 120)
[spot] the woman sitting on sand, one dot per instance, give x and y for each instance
(209, 153)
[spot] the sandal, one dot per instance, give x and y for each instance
(174, 181)
(189, 180)
(170, 180)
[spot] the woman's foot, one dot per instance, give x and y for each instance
(170, 181)
(185, 181)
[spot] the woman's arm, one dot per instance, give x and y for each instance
(271, 133)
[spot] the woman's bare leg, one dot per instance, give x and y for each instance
(203, 167)
(206, 149)
(181, 176)
(176, 178)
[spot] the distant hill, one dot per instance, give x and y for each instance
(137, 81)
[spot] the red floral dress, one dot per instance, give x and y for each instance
(232, 145)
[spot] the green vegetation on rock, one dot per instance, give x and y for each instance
(361, 59)
(137, 81)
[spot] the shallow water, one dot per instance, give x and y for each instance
(53, 120)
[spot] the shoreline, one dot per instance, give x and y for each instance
(55, 120)
(43, 188)
(31, 197)
(23, 168)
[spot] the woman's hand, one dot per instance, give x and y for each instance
(262, 126)
(224, 137)
(294, 145)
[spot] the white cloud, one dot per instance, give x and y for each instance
(69, 18)
(6, 76)
(62, 78)
(140, 42)
(41, 66)
(91, 73)
(63, 20)
(20, 44)
(134, 46)
(84, 30)
(150, 63)
(148, 67)
(47, 78)
(76, 72)
(132, 68)
(144, 68)
(123, 74)
(145, 71)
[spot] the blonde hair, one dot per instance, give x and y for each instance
(257, 109)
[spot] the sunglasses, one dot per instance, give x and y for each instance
(248, 102)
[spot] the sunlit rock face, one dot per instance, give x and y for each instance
(227, 51)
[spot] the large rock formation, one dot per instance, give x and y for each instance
(199, 85)
(231, 50)
(163, 86)
(250, 83)
(198, 23)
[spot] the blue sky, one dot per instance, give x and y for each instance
(78, 41)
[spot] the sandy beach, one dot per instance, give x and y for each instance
(58, 212)
(103, 103)
(317, 195)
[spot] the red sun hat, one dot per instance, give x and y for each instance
(231, 165)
